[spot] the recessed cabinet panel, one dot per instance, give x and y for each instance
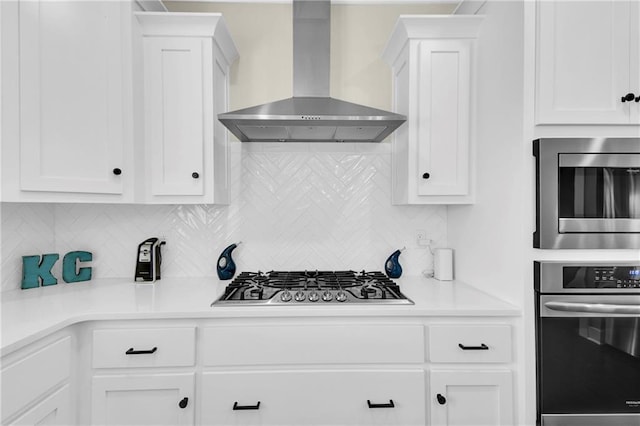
(312, 344)
(174, 75)
(157, 399)
(443, 142)
(54, 410)
(327, 397)
(463, 398)
(34, 375)
(72, 97)
(584, 59)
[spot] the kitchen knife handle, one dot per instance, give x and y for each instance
(390, 404)
(131, 351)
(482, 347)
(246, 407)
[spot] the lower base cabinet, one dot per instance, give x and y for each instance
(327, 397)
(154, 399)
(54, 410)
(465, 398)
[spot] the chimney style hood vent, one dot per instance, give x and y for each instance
(311, 115)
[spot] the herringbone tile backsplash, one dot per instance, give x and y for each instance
(300, 206)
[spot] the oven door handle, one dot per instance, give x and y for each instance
(593, 308)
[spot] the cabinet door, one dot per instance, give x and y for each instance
(54, 410)
(329, 397)
(143, 400)
(178, 117)
(583, 62)
(471, 398)
(443, 117)
(73, 106)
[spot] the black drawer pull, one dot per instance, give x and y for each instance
(195, 175)
(131, 351)
(183, 402)
(628, 97)
(388, 405)
(426, 176)
(441, 399)
(117, 171)
(482, 347)
(246, 407)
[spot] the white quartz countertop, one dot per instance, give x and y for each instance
(28, 315)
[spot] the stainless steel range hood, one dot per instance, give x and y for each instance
(311, 115)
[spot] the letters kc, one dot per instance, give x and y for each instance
(37, 269)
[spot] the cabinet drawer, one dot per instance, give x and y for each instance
(34, 375)
(316, 397)
(313, 344)
(470, 343)
(144, 347)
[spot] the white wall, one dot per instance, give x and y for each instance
(491, 237)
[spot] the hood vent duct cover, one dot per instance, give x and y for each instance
(311, 115)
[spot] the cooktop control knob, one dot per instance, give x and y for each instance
(299, 296)
(327, 296)
(313, 296)
(285, 296)
(341, 296)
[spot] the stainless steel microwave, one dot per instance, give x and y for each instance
(587, 193)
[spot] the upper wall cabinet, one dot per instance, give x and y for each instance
(432, 58)
(186, 70)
(588, 62)
(66, 101)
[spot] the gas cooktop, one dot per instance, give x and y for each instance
(311, 288)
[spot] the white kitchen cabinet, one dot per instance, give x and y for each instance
(186, 67)
(471, 398)
(67, 101)
(587, 62)
(327, 397)
(151, 399)
(36, 383)
(53, 410)
(432, 61)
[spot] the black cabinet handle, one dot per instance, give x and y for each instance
(638, 99)
(629, 97)
(390, 404)
(117, 171)
(195, 175)
(131, 351)
(246, 407)
(183, 402)
(482, 347)
(426, 176)
(441, 399)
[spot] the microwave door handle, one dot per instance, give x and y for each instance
(593, 308)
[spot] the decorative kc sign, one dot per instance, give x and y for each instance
(36, 270)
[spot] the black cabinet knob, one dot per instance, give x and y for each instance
(629, 97)
(441, 399)
(117, 171)
(195, 175)
(426, 176)
(183, 402)
(638, 99)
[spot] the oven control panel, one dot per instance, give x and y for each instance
(601, 277)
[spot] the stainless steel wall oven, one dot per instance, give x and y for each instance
(588, 193)
(588, 343)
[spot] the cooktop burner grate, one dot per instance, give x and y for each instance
(312, 287)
